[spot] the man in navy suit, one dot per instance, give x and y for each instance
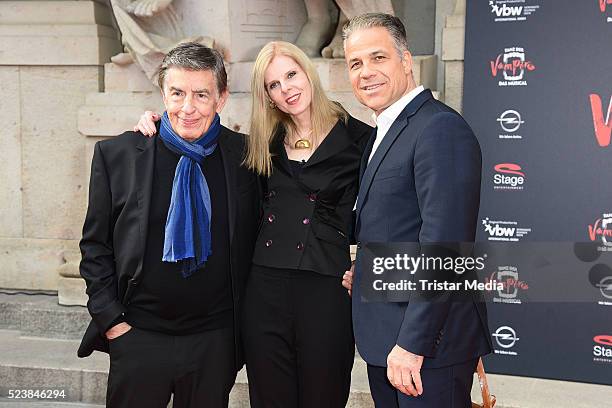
(420, 182)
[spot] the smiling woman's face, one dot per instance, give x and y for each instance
(288, 86)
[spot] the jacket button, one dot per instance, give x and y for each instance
(300, 246)
(358, 244)
(268, 242)
(306, 221)
(271, 218)
(312, 197)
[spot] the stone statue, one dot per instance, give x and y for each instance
(319, 25)
(149, 29)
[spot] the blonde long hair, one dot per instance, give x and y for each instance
(265, 120)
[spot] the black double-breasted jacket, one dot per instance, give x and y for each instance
(115, 229)
(307, 216)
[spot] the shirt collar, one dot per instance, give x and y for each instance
(388, 116)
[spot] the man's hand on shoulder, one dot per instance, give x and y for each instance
(146, 124)
(118, 330)
(404, 371)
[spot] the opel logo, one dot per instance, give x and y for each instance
(505, 337)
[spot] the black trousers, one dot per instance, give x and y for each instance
(446, 387)
(147, 367)
(298, 339)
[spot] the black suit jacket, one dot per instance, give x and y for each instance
(115, 229)
(308, 216)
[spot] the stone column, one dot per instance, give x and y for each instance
(51, 56)
(452, 54)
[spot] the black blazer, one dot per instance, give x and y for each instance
(115, 229)
(307, 217)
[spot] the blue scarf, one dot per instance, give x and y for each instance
(187, 235)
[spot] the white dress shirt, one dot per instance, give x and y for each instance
(389, 115)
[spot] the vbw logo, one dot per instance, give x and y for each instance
(504, 230)
(505, 10)
(497, 231)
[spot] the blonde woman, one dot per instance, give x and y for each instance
(296, 316)
(297, 329)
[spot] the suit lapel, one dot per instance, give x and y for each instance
(277, 149)
(229, 168)
(144, 171)
(336, 141)
(366, 154)
(396, 129)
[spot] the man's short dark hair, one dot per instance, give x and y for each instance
(193, 56)
(392, 24)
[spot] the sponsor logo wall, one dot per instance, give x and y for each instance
(537, 93)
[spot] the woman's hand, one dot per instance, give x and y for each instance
(146, 124)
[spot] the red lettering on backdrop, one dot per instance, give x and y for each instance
(513, 66)
(593, 229)
(603, 127)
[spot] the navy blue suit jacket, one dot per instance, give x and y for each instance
(422, 185)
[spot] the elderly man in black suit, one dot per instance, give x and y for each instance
(167, 244)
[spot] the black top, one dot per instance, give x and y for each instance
(308, 214)
(165, 301)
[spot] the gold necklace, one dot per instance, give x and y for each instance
(303, 143)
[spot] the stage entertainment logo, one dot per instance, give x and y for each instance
(513, 66)
(602, 350)
(603, 126)
(508, 276)
(601, 230)
(603, 7)
(510, 121)
(505, 337)
(506, 231)
(508, 176)
(511, 10)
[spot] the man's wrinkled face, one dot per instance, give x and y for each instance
(191, 99)
(378, 74)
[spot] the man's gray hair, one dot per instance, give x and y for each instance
(193, 56)
(392, 24)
